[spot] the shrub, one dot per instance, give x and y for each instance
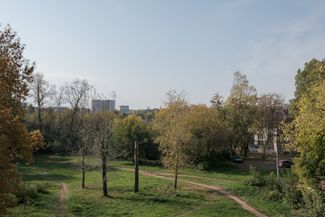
(42, 187)
(291, 193)
(321, 168)
(273, 195)
(30, 191)
(256, 178)
(314, 203)
(27, 194)
(57, 146)
(273, 183)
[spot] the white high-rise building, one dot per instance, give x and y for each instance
(103, 105)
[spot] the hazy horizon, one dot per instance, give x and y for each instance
(142, 49)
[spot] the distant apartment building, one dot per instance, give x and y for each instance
(103, 105)
(262, 142)
(124, 109)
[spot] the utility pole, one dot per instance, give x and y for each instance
(275, 145)
(136, 167)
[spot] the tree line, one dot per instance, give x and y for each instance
(178, 134)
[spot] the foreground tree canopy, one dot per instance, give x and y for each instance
(15, 141)
(306, 132)
(310, 135)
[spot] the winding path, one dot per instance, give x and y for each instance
(235, 198)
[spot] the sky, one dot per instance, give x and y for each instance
(141, 49)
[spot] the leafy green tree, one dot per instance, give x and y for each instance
(208, 136)
(270, 114)
(241, 110)
(306, 135)
(146, 114)
(309, 139)
(132, 128)
(313, 72)
(170, 122)
(310, 136)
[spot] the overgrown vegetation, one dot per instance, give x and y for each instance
(29, 192)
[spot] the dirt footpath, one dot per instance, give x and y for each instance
(61, 202)
(235, 198)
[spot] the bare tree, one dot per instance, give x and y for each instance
(102, 126)
(87, 137)
(77, 95)
(41, 91)
(59, 100)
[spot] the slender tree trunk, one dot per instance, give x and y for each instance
(83, 170)
(176, 169)
(104, 175)
(39, 118)
(72, 123)
(264, 150)
(266, 143)
(246, 150)
(60, 118)
(136, 167)
(39, 107)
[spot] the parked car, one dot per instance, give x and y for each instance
(236, 159)
(285, 163)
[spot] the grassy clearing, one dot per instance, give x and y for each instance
(231, 179)
(156, 197)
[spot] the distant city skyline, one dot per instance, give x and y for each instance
(141, 49)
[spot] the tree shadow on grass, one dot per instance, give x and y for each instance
(47, 168)
(147, 163)
(152, 198)
(46, 177)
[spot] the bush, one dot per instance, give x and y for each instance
(30, 191)
(27, 194)
(273, 183)
(57, 147)
(42, 187)
(291, 193)
(273, 195)
(321, 168)
(256, 178)
(314, 203)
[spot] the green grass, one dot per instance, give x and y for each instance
(156, 196)
(231, 179)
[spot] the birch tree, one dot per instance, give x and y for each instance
(241, 113)
(173, 134)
